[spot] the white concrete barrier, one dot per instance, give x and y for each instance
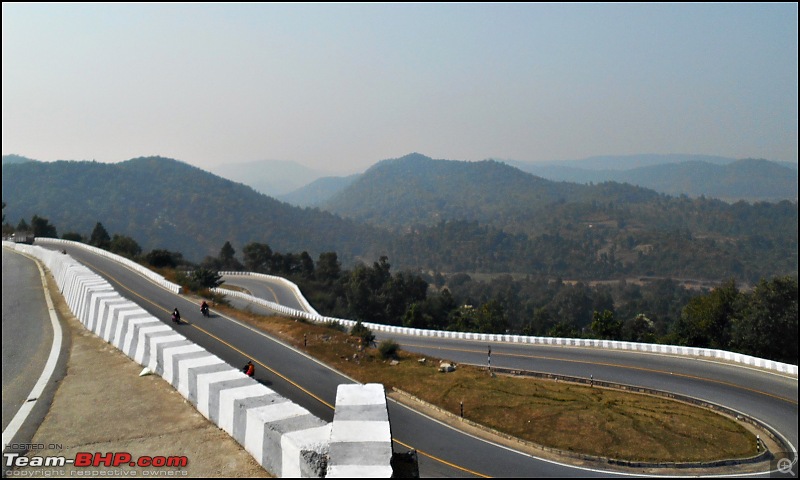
(786, 368)
(361, 436)
(146, 272)
(283, 437)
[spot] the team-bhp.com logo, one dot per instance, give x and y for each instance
(96, 459)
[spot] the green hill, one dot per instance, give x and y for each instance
(164, 203)
(432, 215)
(489, 216)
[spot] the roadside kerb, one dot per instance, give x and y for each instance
(361, 435)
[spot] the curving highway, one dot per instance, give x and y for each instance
(768, 396)
(445, 452)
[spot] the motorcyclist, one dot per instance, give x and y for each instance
(249, 369)
(176, 315)
(204, 308)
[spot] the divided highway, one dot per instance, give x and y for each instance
(445, 452)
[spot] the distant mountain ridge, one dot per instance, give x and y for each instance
(728, 179)
(270, 177)
(13, 159)
(628, 162)
(318, 192)
(436, 215)
(693, 175)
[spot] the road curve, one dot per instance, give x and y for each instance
(446, 452)
(768, 396)
(34, 350)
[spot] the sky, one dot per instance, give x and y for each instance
(338, 87)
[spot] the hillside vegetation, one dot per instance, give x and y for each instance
(424, 214)
(607, 231)
(167, 204)
(488, 216)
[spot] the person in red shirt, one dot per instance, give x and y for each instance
(249, 369)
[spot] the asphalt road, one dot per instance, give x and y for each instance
(27, 340)
(770, 397)
(447, 452)
(767, 396)
(97, 400)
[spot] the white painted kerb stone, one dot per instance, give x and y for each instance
(361, 436)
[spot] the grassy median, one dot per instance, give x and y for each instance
(576, 418)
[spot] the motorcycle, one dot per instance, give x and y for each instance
(204, 311)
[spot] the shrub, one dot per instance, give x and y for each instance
(388, 349)
(364, 333)
(335, 325)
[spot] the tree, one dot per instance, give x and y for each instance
(414, 318)
(257, 257)
(205, 278)
(226, 258)
(100, 237)
(491, 318)
(125, 246)
(328, 268)
(706, 320)
(306, 265)
(488, 318)
(22, 226)
(164, 258)
(639, 329)
(604, 326)
(572, 305)
(41, 227)
(767, 324)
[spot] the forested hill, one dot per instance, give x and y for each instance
(416, 190)
(167, 204)
(488, 216)
(445, 216)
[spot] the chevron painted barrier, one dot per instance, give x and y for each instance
(283, 437)
(146, 272)
(361, 436)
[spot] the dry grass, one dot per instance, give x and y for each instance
(570, 417)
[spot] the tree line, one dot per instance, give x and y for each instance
(761, 322)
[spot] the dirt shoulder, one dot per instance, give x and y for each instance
(103, 405)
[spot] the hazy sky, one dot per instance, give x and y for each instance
(337, 87)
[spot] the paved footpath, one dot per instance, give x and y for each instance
(103, 405)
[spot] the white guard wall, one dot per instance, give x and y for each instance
(283, 437)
